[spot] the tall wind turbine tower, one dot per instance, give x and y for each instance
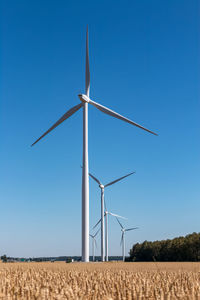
(85, 170)
(85, 100)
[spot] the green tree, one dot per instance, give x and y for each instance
(178, 249)
(4, 258)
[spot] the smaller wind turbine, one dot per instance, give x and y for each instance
(94, 243)
(122, 242)
(102, 187)
(106, 214)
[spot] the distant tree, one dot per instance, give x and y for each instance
(4, 258)
(178, 249)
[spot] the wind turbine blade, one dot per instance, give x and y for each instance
(97, 180)
(96, 224)
(118, 116)
(93, 177)
(95, 243)
(131, 228)
(97, 232)
(114, 215)
(119, 223)
(122, 239)
(68, 114)
(112, 182)
(87, 68)
(91, 236)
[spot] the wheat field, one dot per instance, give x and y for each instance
(103, 281)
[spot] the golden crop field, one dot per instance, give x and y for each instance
(103, 281)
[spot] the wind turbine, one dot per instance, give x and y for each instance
(102, 187)
(94, 243)
(122, 242)
(106, 213)
(85, 100)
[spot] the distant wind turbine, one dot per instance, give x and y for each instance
(85, 100)
(102, 187)
(122, 242)
(94, 243)
(106, 213)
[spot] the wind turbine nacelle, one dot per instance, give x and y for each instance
(84, 98)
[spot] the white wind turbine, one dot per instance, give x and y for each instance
(85, 100)
(106, 213)
(94, 243)
(122, 242)
(102, 187)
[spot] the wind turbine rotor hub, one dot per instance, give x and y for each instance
(84, 98)
(101, 186)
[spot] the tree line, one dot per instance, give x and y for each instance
(178, 249)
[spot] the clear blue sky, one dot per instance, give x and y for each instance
(144, 58)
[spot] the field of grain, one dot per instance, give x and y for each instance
(103, 281)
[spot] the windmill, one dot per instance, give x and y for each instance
(106, 214)
(122, 242)
(94, 243)
(102, 187)
(85, 100)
